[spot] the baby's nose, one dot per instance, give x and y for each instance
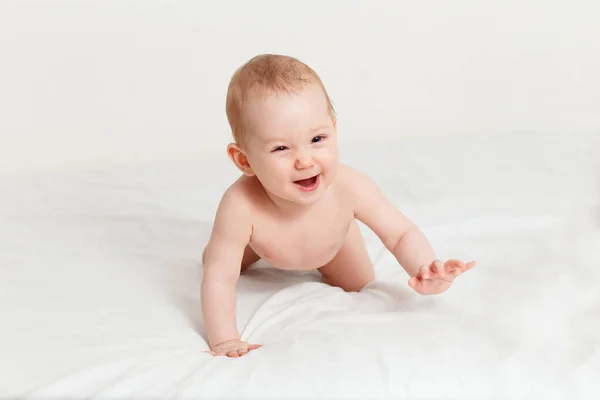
(304, 160)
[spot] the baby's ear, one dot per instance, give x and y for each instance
(237, 155)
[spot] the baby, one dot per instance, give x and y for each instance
(295, 205)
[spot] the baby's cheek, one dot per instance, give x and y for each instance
(332, 152)
(279, 169)
(278, 172)
(332, 159)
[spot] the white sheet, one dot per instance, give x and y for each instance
(99, 288)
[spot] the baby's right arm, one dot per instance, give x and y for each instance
(231, 233)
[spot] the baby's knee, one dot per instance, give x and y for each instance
(349, 285)
(361, 285)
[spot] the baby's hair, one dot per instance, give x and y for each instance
(263, 75)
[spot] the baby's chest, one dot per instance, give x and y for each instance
(306, 244)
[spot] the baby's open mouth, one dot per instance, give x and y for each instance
(308, 184)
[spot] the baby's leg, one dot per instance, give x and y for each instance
(351, 268)
(249, 257)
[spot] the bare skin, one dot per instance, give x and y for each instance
(297, 207)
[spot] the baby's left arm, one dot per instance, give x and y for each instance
(403, 238)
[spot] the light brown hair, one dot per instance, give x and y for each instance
(264, 75)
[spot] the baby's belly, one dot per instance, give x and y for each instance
(299, 257)
(303, 261)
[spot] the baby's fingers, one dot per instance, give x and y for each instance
(249, 348)
(417, 285)
(254, 346)
(425, 272)
(438, 269)
(456, 267)
(215, 353)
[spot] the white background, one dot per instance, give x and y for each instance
(479, 119)
(103, 83)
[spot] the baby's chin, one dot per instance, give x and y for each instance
(307, 201)
(294, 196)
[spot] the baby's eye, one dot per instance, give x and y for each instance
(317, 139)
(280, 148)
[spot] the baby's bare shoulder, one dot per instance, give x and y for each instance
(352, 180)
(242, 196)
(233, 222)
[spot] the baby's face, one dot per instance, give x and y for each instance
(292, 144)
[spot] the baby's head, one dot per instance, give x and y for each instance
(284, 127)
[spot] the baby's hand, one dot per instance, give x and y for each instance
(437, 277)
(233, 348)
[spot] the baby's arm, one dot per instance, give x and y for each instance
(403, 238)
(399, 234)
(231, 233)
